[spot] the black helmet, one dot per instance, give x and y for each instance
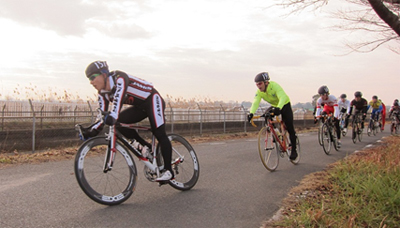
(343, 96)
(396, 102)
(358, 94)
(97, 67)
(262, 77)
(374, 97)
(323, 89)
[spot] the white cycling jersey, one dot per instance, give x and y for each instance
(345, 104)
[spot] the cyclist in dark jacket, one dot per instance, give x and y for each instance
(144, 101)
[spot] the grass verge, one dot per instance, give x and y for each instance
(362, 190)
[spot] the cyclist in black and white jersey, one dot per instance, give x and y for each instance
(361, 106)
(120, 88)
(344, 106)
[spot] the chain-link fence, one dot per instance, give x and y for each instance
(31, 126)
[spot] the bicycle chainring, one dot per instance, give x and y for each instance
(150, 175)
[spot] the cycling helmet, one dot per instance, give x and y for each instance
(97, 67)
(262, 77)
(358, 94)
(374, 97)
(343, 96)
(396, 103)
(323, 89)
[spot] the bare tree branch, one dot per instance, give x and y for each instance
(380, 17)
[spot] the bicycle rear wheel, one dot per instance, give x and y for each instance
(334, 138)
(298, 149)
(109, 188)
(360, 132)
(342, 126)
(268, 149)
(326, 140)
(370, 128)
(184, 162)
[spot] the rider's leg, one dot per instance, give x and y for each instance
(287, 117)
(132, 115)
(155, 107)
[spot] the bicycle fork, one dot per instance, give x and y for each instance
(110, 154)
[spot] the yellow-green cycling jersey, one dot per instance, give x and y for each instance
(375, 105)
(274, 95)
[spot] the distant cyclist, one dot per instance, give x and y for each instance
(331, 106)
(395, 110)
(383, 115)
(361, 106)
(376, 106)
(344, 106)
(273, 93)
(314, 104)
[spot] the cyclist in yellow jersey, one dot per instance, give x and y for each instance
(273, 93)
(376, 106)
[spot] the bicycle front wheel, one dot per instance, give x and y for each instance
(354, 130)
(268, 149)
(109, 188)
(326, 139)
(320, 136)
(184, 162)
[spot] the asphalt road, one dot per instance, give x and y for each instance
(234, 190)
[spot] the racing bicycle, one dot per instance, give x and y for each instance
(273, 142)
(342, 123)
(106, 171)
(327, 134)
(357, 130)
(394, 126)
(374, 125)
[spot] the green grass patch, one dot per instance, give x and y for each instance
(361, 191)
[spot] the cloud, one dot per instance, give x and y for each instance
(75, 17)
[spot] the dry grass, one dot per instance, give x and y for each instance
(338, 196)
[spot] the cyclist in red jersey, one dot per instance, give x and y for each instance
(144, 102)
(383, 114)
(330, 105)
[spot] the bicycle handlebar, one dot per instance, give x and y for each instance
(266, 115)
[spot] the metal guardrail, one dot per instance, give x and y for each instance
(41, 118)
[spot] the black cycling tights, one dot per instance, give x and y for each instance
(136, 114)
(287, 117)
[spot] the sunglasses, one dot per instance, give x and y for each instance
(93, 76)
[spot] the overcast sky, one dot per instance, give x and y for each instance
(187, 48)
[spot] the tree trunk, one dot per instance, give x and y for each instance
(386, 15)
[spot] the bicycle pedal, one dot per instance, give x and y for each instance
(161, 183)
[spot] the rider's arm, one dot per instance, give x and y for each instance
(336, 111)
(103, 106)
(118, 98)
(256, 102)
(365, 108)
(282, 96)
(318, 112)
(348, 106)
